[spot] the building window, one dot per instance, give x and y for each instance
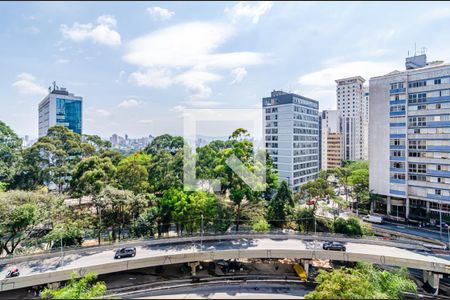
(437, 81)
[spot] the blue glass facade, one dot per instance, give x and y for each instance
(68, 114)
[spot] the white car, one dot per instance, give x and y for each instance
(373, 219)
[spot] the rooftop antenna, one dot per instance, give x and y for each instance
(423, 50)
(415, 49)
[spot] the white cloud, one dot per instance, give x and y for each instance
(238, 74)
(437, 13)
(328, 75)
(26, 84)
(154, 77)
(186, 54)
(146, 121)
(182, 45)
(159, 13)
(102, 112)
(203, 103)
(321, 85)
(102, 32)
(195, 82)
(62, 61)
(130, 103)
(248, 10)
(33, 30)
(178, 108)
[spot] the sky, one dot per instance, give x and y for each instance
(138, 65)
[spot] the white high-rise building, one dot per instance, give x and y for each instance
(331, 139)
(60, 107)
(409, 137)
(351, 104)
(292, 136)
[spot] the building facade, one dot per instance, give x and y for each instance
(60, 107)
(409, 157)
(331, 139)
(291, 124)
(352, 109)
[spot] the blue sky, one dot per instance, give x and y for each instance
(138, 64)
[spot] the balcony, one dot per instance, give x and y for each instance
(397, 91)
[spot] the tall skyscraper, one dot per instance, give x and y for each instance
(409, 140)
(60, 107)
(331, 139)
(351, 106)
(292, 136)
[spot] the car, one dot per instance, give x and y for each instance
(444, 225)
(373, 219)
(125, 252)
(336, 246)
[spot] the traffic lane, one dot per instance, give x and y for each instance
(413, 231)
(261, 290)
(87, 259)
(91, 258)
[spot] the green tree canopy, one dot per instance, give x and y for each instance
(10, 153)
(279, 206)
(362, 282)
(132, 173)
(87, 287)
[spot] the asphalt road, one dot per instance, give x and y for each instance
(107, 256)
(426, 233)
(226, 291)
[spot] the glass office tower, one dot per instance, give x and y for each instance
(60, 107)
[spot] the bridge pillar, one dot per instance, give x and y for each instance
(388, 205)
(54, 285)
(407, 208)
(432, 279)
(305, 263)
(194, 266)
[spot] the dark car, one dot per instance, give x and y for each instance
(336, 246)
(125, 252)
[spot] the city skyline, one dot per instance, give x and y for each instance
(97, 52)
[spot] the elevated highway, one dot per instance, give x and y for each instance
(50, 268)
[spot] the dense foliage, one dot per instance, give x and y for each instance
(87, 287)
(365, 281)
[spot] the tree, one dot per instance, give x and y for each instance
(51, 159)
(279, 206)
(351, 226)
(304, 217)
(261, 226)
(362, 282)
(116, 208)
(147, 222)
(10, 153)
(317, 189)
(359, 180)
(342, 174)
(87, 287)
(25, 217)
(165, 142)
(132, 173)
(342, 284)
(68, 232)
(91, 175)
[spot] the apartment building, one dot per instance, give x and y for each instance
(331, 139)
(351, 104)
(291, 124)
(409, 137)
